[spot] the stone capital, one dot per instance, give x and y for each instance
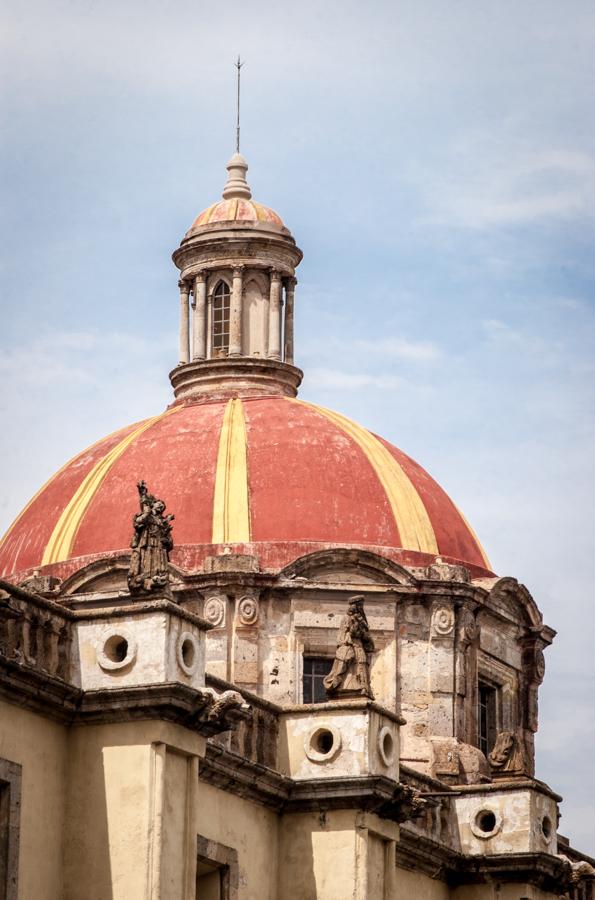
(275, 274)
(184, 287)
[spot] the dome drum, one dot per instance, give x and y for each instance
(215, 379)
(240, 248)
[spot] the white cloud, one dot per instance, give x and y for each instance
(485, 181)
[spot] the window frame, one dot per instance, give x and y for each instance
(10, 807)
(221, 316)
(493, 714)
(315, 676)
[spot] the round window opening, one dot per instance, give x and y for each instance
(323, 740)
(188, 653)
(118, 651)
(322, 744)
(546, 827)
(386, 746)
(486, 821)
(116, 648)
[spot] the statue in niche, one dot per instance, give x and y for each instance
(151, 545)
(507, 755)
(350, 674)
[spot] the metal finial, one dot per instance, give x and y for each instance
(238, 66)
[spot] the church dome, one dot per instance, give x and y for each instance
(239, 211)
(272, 476)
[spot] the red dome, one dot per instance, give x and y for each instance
(279, 475)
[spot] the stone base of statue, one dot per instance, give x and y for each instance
(148, 588)
(340, 694)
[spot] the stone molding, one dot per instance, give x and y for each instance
(203, 711)
(245, 376)
(421, 854)
(253, 781)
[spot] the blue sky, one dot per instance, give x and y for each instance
(436, 163)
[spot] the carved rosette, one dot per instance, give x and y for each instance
(443, 621)
(468, 629)
(215, 611)
(538, 666)
(247, 610)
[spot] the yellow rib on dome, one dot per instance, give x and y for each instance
(471, 531)
(231, 510)
(61, 542)
(411, 517)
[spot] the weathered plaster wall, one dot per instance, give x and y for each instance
(40, 747)
(417, 886)
(133, 831)
(248, 828)
(319, 854)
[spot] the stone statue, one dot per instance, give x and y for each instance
(350, 674)
(151, 545)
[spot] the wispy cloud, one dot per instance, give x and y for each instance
(482, 182)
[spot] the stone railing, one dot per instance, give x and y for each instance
(255, 738)
(34, 632)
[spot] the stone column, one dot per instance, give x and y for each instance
(184, 322)
(199, 324)
(210, 322)
(275, 317)
(289, 297)
(235, 314)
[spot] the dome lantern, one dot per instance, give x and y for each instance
(237, 285)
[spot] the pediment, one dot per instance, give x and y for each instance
(346, 566)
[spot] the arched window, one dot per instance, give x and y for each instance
(221, 304)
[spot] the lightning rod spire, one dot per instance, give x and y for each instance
(238, 66)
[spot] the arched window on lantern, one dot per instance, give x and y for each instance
(221, 305)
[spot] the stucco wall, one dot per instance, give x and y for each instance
(39, 746)
(248, 828)
(409, 885)
(130, 827)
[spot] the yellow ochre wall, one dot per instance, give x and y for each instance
(248, 828)
(40, 747)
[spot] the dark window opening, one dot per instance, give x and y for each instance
(221, 306)
(212, 880)
(316, 668)
(487, 717)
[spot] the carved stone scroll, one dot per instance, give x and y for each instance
(508, 754)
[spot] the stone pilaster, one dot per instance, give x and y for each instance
(289, 301)
(274, 351)
(235, 315)
(199, 321)
(184, 322)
